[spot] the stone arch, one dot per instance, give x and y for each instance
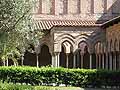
(68, 46)
(59, 43)
(47, 44)
(84, 39)
(66, 54)
(84, 45)
(85, 54)
(99, 49)
(45, 56)
(65, 35)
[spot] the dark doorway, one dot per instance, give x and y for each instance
(45, 58)
(70, 58)
(86, 58)
(78, 59)
(63, 58)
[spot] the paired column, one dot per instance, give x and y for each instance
(56, 59)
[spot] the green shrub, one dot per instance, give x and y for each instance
(57, 76)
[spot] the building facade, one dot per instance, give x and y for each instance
(75, 35)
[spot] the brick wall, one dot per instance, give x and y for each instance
(80, 9)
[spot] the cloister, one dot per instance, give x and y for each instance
(77, 34)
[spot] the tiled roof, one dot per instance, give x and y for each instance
(48, 24)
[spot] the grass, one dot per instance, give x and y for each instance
(11, 86)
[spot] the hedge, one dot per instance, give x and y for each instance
(59, 76)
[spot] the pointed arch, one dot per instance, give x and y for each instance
(45, 43)
(85, 54)
(62, 40)
(64, 36)
(83, 39)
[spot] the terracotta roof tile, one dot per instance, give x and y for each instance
(48, 24)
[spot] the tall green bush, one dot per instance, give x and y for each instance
(58, 76)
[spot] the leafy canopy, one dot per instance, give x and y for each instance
(16, 26)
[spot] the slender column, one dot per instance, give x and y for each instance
(106, 60)
(96, 60)
(90, 61)
(99, 61)
(22, 59)
(67, 60)
(78, 60)
(53, 60)
(74, 61)
(14, 64)
(82, 60)
(58, 59)
(37, 57)
(110, 61)
(103, 61)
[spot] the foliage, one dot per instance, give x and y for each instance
(16, 27)
(58, 76)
